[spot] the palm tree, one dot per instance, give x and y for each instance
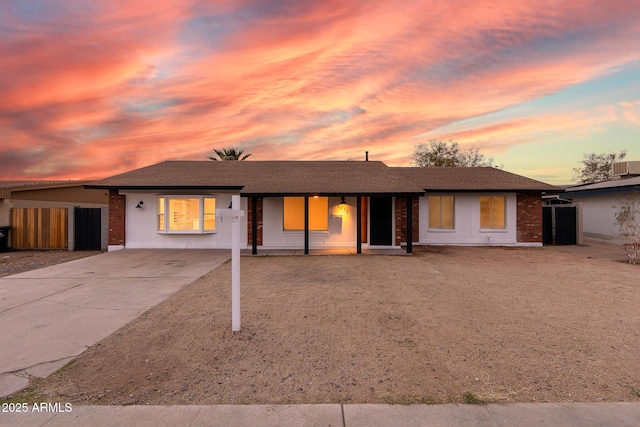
(229, 154)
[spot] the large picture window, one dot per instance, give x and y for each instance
(441, 212)
(493, 212)
(318, 213)
(186, 214)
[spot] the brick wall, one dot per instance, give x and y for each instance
(401, 220)
(117, 211)
(529, 217)
(250, 220)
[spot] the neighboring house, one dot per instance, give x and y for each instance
(598, 205)
(352, 204)
(42, 214)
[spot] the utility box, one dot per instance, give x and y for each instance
(4, 239)
(626, 168)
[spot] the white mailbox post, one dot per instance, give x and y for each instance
(235, 213)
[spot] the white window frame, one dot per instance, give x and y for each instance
(453, 213)
(201, 213)
(506, 217)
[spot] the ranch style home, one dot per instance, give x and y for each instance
(321, 204)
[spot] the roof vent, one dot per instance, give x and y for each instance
(626, 168)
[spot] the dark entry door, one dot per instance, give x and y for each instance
(380, 221)
(87, 226)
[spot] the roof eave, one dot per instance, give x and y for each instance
(332, 194)
(485, 190)
(164, 187)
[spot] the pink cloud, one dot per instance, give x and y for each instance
(111, 86)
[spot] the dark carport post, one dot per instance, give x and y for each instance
(359, 224)
(306, 225)
(254, 225)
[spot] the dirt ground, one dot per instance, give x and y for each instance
(448, 324)
(21, 261)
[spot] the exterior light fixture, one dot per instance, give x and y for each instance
(342, 207)
(139, 205)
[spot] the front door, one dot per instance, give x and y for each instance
(381, 221)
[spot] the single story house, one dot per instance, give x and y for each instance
(49, 214)
(599, 203)
(321, 204)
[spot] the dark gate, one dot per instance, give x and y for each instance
(87, 229)
(547, 225)
(381, 220)
(559, 225)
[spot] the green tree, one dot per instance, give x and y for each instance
(229, 154)
(438, 153)
(597, 167)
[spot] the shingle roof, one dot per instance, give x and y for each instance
(267, 177)
(23, 185)
(317, 177)
(471, 179)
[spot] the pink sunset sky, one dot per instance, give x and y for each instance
(92, 88)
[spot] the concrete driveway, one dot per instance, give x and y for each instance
(51, 315)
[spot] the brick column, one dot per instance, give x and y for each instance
(529, 217)
(401, 219)
(250, 221)
(117, 215)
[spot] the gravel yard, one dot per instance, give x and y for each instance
(21, 261)
(448, 324)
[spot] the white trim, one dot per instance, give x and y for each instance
(441, 229)
(200, 197)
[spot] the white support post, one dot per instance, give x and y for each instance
(235, 213)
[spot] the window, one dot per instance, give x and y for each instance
(493, 211)
(441, 212)
(318, 213)
(186, 214)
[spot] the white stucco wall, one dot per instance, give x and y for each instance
(598, 215)
(467, 223)
(341, 232)
(141, 232)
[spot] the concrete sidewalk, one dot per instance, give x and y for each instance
(51, 315)
(335, 415)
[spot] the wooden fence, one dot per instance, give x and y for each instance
(39, 228)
